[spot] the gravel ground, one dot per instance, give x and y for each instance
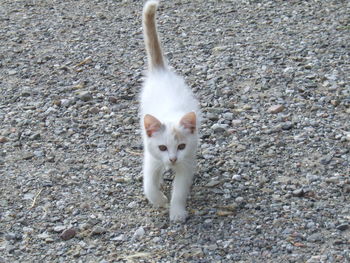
(273, 176)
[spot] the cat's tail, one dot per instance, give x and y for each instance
(153, 46)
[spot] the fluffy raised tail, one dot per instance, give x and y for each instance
(153, 46)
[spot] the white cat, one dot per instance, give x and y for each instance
(170, 119)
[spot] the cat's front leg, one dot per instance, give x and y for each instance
(181, 188)
(152, 172)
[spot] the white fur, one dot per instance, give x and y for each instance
(166, 97)
(170, 118)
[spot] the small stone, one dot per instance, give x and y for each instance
(98, 230)
(240, 148)
(27, 156)
(35, 136)
(121, 237)
(68, 234)
(85, 96)
(298, 192)
(338, 242)
(212, 116)
(26, 92)
(312, 177)
(211, 247)
(317, 259)
(139, 233)
(58, 229)
(193, 253)
(13, 236)
(228, 116)
(44, 235)
(236, 122)
(213, 183)
(237, 177)
(3, 139)
(276, 109)
(219, 49)
(287, 126)
(66, 102)
(132, 204)
(94, 110)
(224, 213)
(128, 120)
(342, 227)
(57, 103)
(332, 180)
(247, 107)
(335, 102)
(156, 239)
(239, 199)
(219, 128)
(105, 109)
(12, 72)
(112, 99)
(316, 237)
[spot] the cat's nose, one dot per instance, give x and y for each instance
(173, 160)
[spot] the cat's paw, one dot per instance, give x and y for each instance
(160, 201)
(178, 215)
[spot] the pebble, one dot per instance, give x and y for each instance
(236, 122)
(239, 199)
(342, 227)
(212, 116)
(139, 233)
(3, 139)
(213, 183)
(35, 136)
(275, 109)
(68, 234)
(237, 177)
(66, 102)
(59, 228)
(44, 235)
(312, 177)
(228, 116)
(85, 96)
(27, 156)
(98, 230)
(332, 180)
(94, 110)
(298, 192)
(112, 99)
(316, 237)
(13, 236)
(120, 237)
(219, 128)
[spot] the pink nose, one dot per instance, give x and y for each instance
(173, 160)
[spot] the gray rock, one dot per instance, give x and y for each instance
(315, 237)
(98, 230)
(85, 96)
(298, 192)
(342, 227)
(219, 128)
(68, 234)
(275, 109)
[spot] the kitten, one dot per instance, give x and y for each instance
(170, 118)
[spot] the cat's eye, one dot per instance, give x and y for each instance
(163, 148)
(181, 146)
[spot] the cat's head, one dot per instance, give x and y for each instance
(171, 143)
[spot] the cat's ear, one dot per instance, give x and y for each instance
(152, 124)
(188, 121)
